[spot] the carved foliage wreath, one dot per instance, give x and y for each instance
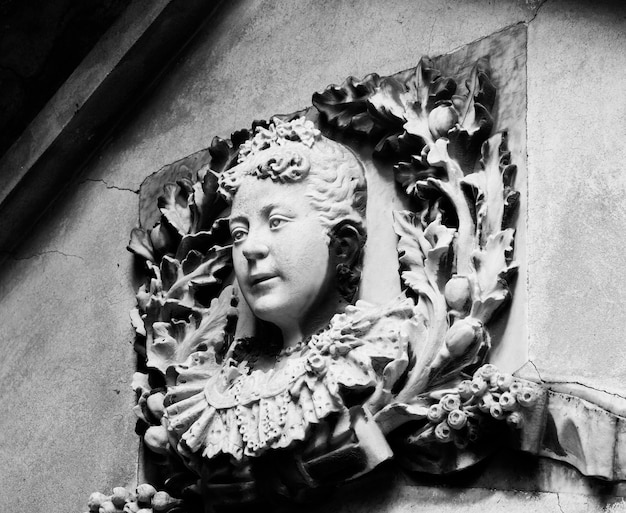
(455, 250)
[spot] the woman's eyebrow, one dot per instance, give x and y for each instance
(237, 219)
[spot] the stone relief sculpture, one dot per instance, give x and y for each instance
(264, 378)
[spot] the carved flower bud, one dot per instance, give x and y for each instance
(108, 507)
(496, 411)
(486, 371)
(507, 401)
(479, 386)
(516, 387)
(515, 420)
(527, 397)
(441, 119)
(458, 293)
(462, 335)
(155, 404)
(493, 381)
(464, 389)
(443, 433)
(457, 419)
(485, 402)
(95, 500)
(435, 413)
(504, 382)
(156, 439)
(145, 492)
(163, 501)
(316, 362)
(450, 402)
(119, 497)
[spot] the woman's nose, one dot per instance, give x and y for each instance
(254, 249)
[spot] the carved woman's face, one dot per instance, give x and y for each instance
(280, 251)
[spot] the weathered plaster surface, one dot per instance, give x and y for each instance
(65, 296)
(401, 495)
(67, 358)
(577, 185)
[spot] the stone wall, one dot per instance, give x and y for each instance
(67, 427)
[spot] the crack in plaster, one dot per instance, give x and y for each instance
(541, 4)
(558, 502)
(108, 186)
(585, 385)
(8, 254)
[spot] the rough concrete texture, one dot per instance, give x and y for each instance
(67, 428)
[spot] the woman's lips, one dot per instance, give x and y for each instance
(257, 279)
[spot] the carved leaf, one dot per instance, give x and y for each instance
(491, 269)
(140, 244)
(223, 153)
(205, 202)
(203, 241)
(173, 342)
(390, 102)
(475, 121)
(488, 185)
(431, 319)
(164, 239)
(202, 271)
(452, 189)
(426, 88)
(345, 106)
(174, 205)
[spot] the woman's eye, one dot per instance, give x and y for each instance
(276, 222)
(238, 234)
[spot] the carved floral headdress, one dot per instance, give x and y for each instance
(277, 134)
(284, 164)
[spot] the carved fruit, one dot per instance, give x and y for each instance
(131, 507)
(441, 119)
(119, 497)
(156, 439)
(163, 501)
(462, 335)
(95, 500)
(108, 507)
(515, 419)
(145, 492)
(155, 404)
(458, 293)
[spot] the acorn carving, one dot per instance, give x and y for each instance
(96, 499)
(442, 118)
(108, 507)
(463, 334)
(145, 492)
(119, 497)
(154, 402)
(156, 439)
(458, 293)
(163, 502)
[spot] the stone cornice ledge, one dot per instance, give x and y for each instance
(75, 121)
